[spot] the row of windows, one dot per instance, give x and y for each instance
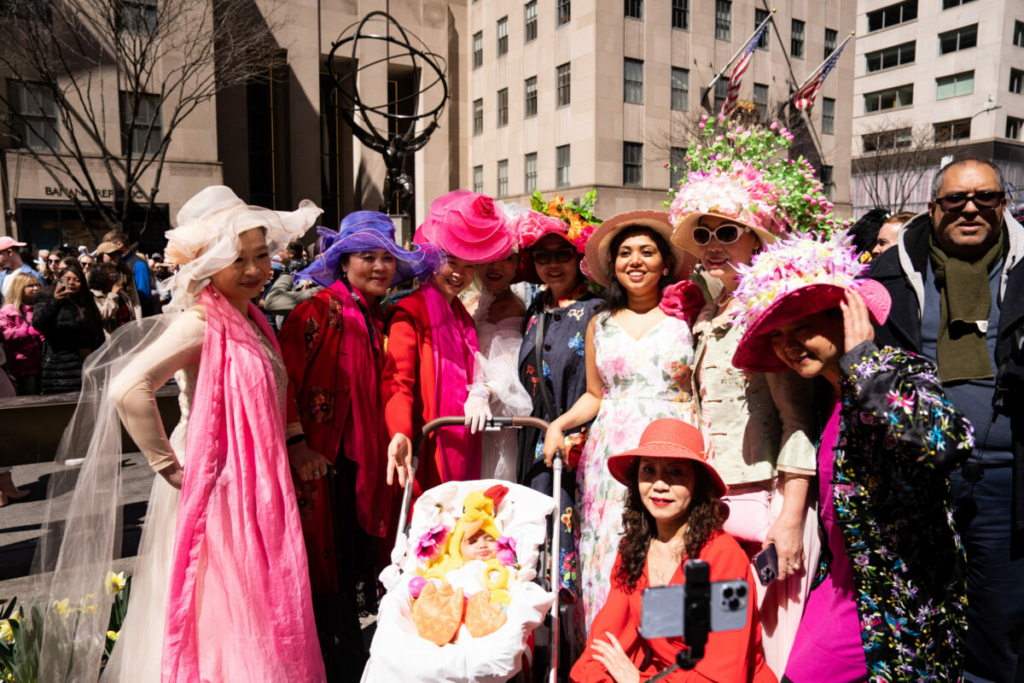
(942, 133)
(963, 38)
(634, 9)
(954, 85)
(38, 121)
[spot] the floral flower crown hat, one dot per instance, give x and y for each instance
(574, 222)
(794, 278)
(739, 174)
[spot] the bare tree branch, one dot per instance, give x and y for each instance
(894, 157)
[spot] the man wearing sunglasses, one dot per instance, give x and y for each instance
(957, 284)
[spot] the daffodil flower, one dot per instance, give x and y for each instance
(112, 635)
(6, 632)
(115, 582)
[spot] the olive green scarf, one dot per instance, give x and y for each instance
(966, 301)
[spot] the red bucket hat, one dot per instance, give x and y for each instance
(668, 437)
(792, 279)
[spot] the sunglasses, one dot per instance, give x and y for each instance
(562, 255)
(53, 260)
(725, 234)
(955, 203)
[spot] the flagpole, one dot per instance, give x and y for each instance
(732, 59)
(814, 73)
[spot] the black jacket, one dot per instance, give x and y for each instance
(66, 332)
(902, 270)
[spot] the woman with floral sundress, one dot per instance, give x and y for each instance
(638, 358)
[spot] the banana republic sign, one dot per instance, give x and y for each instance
(105, 193)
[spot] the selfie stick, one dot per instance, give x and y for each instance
(696, 619)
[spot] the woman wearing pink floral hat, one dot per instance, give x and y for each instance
(759, 428)
(890, 599)
(432, 342)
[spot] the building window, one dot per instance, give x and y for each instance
(502, 36)
(952, 131)
(502, 107)
(681, 14)
(633, 163)
(677, 165)
(634, 9)
(530, 164)
(761, 100)
(563, 82)
(680, 89)
(1018, 33)
(1016, 81)
(144, 135)
(831, 42)
(478, 179)
(138, 17)
(796, 39)
(892, 15)
(958, 39)
(825, 176)
(530, 21)
(1013, 127)
(503, 178)
(721, 92)
(633, 77)
(890, 57)
(828, 116)
(530, 99)
(759, 16)
(950, 4)
(562, 162)
(954, 86)
(888, 140)
(35, 125)
(478, 117)
(723, 20)
(564, 12)
(478, 50)
(890, 98)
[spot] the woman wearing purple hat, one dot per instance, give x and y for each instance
(891, 600)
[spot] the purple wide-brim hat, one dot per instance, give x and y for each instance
(755, 353)
(368, 231)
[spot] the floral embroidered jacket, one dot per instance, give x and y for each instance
(899, 438)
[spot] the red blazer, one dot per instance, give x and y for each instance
(730, 656)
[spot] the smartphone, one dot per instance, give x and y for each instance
(766, 565)
(664, 612)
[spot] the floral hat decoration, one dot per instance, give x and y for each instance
(572, 221)
(793, 278)
(740, 174)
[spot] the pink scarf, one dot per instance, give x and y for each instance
(366, 443)
(239, 605)
(454, 342)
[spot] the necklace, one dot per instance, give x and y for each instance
(663, 572)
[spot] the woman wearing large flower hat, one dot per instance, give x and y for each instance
(333, 347)
(638, 369)
(759, 428)
(432, 342)
(891, 600)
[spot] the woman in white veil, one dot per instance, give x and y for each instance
(221, 552)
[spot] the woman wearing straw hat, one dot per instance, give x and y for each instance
(892, 604)
(759, 427)
(638, 370)
(333, 347)
(673, 513)
(432, 342)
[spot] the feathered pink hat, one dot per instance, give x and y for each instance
(794, 278)
(469, 226)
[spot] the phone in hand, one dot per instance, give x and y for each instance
(664, 608)
(766, 565)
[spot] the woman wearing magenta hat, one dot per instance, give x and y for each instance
(891, 601)
(673, 513)
(432, 342)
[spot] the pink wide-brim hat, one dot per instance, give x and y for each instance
(668, 437)
(469, 226)
(755, 353)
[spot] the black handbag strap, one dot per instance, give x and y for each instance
(538, 351)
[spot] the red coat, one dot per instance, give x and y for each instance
(730, 656)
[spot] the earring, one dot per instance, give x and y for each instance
(664, 272)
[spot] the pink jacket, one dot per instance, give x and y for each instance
(22, 343)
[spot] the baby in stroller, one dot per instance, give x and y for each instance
(461, 602)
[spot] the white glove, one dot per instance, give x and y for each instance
(477, 409)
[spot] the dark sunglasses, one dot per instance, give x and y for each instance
(562, 255)
(725, 234)
(955, 203)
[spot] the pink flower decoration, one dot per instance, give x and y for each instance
(507, 551)
(531, 226)
(741, 193)
(683, 300)
(431, 543)
(467, 225)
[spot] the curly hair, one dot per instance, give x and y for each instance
(706, 517)
(615, 294)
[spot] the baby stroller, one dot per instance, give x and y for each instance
(398, 652)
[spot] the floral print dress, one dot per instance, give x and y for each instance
(644, 380)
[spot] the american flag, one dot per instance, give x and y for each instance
(804, 97)
(733, 93)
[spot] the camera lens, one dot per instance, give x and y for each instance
(741, 591)
(727, 593)
(734, 604)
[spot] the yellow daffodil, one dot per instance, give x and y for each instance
(6, 632)
(61, 606)
(115, 582)
(112, 635)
